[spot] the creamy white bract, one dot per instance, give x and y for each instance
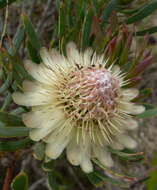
(78, 104)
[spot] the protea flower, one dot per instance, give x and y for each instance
(79, 104)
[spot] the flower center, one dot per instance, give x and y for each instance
(91, 93)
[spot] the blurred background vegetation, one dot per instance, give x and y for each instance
(125, 31)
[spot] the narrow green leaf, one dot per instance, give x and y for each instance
(10, 146)
(18, 38)
(52, 181)
(13, 131)
(20, 182)
(32, 35)
(61, 21)
(57, 3)
(33, 53)
(95, 180)
(81, 10)
(148, 113)
(69, 16)
(39, 151)
(18, 111)
(48, 166)
(144, 94)
(6, 84)
(7, 101)
(95, 5)
(98, 179)
(146, 31)
(148, 106)
(130, 11)
(151, 183)
(128, 154)
(19, 73)
(10, 119)
(143, 12)
(87, 29)
(112, 5)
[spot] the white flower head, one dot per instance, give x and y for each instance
(78, 104)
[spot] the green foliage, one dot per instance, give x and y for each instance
(52, 181)
(13, 131)
(7, 83)
(7, 101)
(148, 113)
(39, 151)
(20, 182)
(33, 44)
(143, 12)
(17, 41)
(98, 179)
(14, 145)
(128, 155)
(112, 5)
(86, 29)
(9, 119)
(147, 31)
(152, 182)
(32, 35)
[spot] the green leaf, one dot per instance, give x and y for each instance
(146, 31)
(95, 5)
(130, 11)
(39, 151)
(3, 3)
(52, 181)
(62, 24)
(87, 29)
(20, 182)
(18, 111)
(61, 21)
(17, 41)
(128, 154)
(152, 181)
(6, 146)
(148, 113)
(48, 166)
(95, 180)
(148, 106)
(57, 3)
(13, 131)
(112, 5)
(10, 119)
(81, 10)
(19, 73)
(69, 16)
(143, 12)
(33, 53)
(7, 101)
(98, 179)
(32, 35)
(6, 84)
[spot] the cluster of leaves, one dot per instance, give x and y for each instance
(104, 25)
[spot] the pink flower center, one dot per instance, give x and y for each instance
(92, 93)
